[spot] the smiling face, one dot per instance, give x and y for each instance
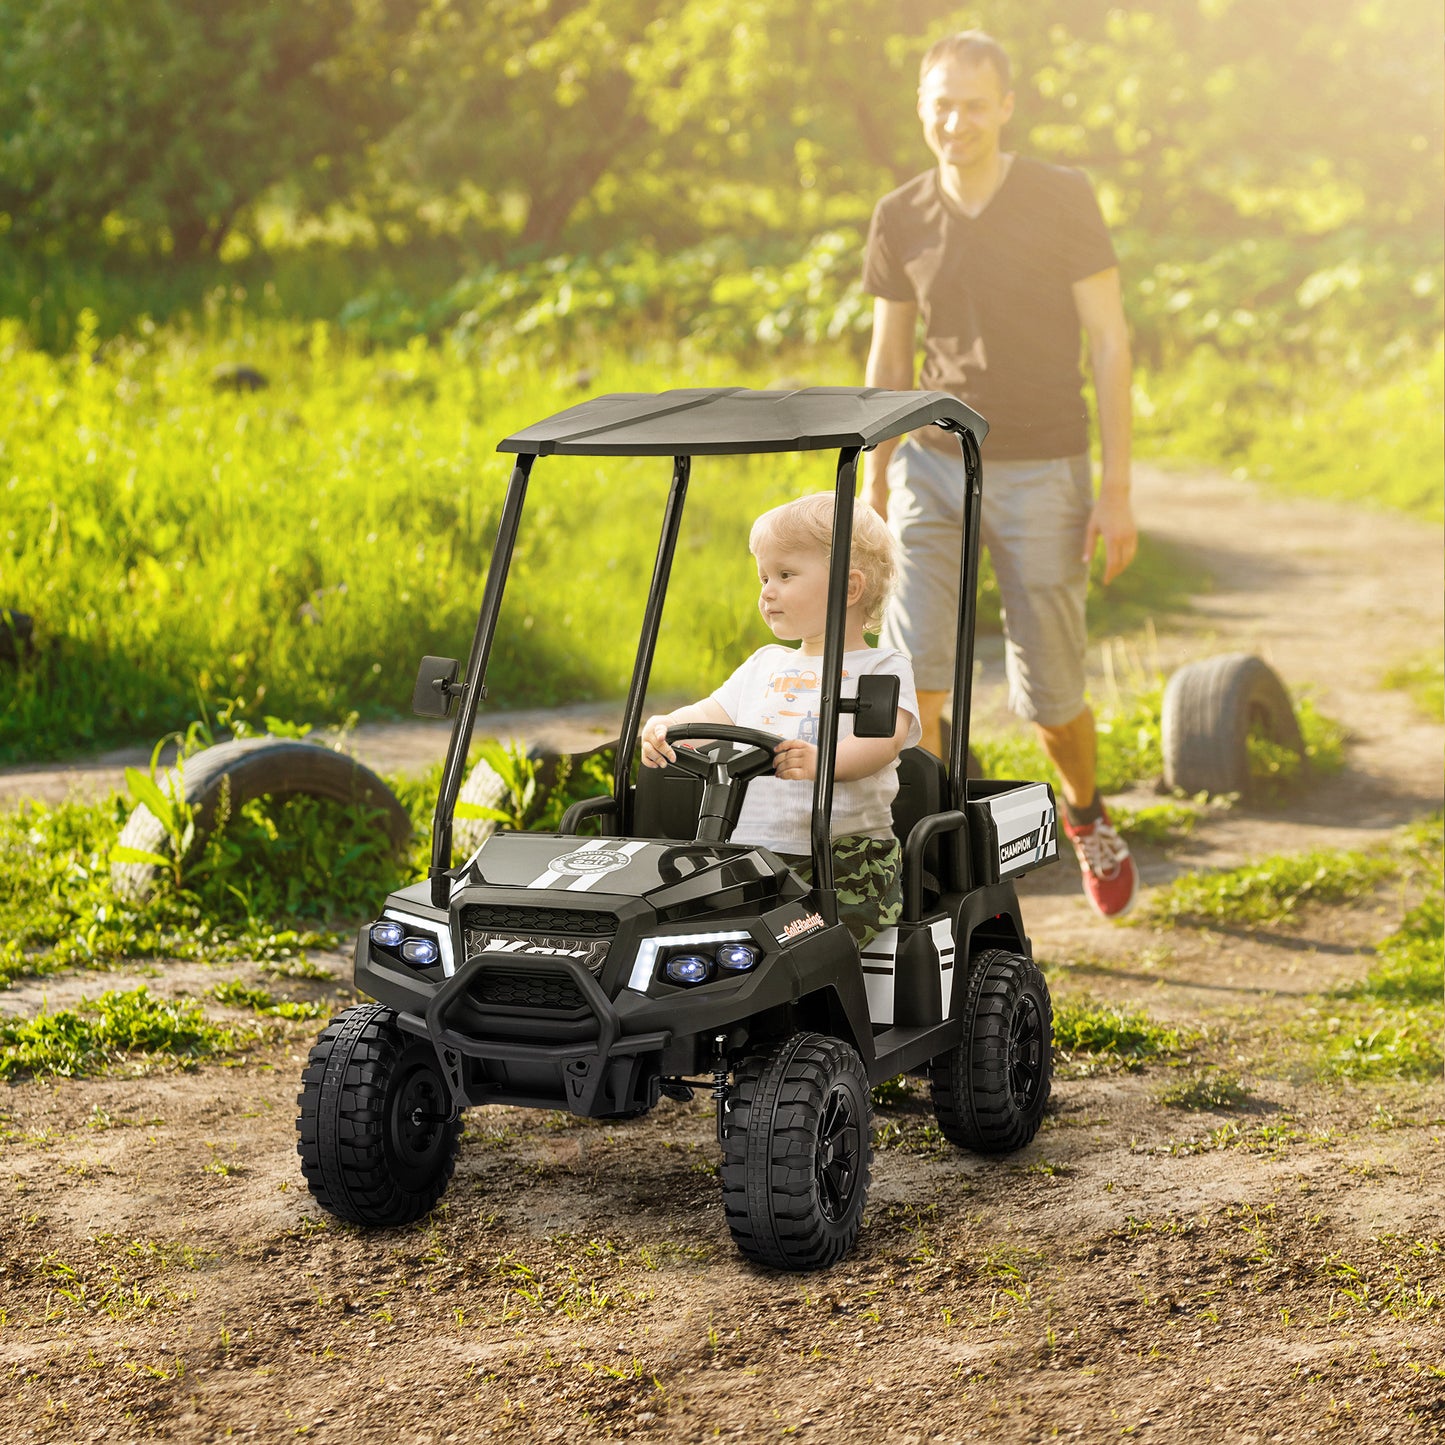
(964, 109)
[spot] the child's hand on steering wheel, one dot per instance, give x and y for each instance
(795, 759)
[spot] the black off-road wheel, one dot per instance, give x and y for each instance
(989, 1092)
(376, 1139)
(797, 1145)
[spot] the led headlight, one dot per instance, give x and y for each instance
(387, 934)
(736, 957)
(420, 951)
(687, 968)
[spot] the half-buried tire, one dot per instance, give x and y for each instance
(248, 768)
(1211, 709)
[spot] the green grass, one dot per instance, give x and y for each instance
(1366, 437)
(1089, 1034)
(1424, 679)
(1270, 889)
(1216, 1089)
(300, 547)
(121, 1027)
(1391, 1023)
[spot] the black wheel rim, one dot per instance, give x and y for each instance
(840, 1153)
(416, 1122)
(1026, 1053)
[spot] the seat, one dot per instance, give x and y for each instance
(922, 791)
(666, 804)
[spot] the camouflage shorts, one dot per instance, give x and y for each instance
(867, 873)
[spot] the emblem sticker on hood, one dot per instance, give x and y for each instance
(585, 866)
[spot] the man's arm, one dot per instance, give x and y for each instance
(890, 365)
(1101, 310)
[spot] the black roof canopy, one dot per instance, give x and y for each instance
(727, 420)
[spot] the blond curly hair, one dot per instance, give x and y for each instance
(808, 522)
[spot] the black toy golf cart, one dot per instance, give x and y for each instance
(596, 974)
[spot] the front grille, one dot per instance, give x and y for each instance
(579, 922)
(502, 988)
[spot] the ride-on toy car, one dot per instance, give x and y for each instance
(597, 974)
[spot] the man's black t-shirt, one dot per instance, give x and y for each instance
(1001, 331)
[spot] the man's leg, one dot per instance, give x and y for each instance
(1071, 749)
(1033, 526)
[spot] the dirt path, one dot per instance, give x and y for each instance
(1275, 1271)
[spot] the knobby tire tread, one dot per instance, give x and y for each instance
(341, 1125)
(769, 1143)
(972, 1093)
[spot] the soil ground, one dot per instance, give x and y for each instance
(1270, 1272)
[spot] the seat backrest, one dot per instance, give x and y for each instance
(922, 789)
(666, 804)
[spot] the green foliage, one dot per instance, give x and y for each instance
(1216, 1089)
(1271, 889)
(242, 995)
(1424, 679)
(58, 910)
(1158, 825)
(1088, 1033)
(120, 1027)
(1347, 431)
(157, 124)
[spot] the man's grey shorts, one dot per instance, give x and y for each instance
(1035, 514)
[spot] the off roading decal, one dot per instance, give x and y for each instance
(589, 952)
(585, 866)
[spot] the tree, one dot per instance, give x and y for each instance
(169, 117)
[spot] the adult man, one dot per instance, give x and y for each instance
(1007, 259)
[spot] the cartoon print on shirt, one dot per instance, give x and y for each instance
(793, 685)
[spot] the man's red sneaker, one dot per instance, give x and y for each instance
(1110, 877)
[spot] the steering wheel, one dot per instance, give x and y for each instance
(731, 758)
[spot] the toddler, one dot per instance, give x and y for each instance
(778, 689)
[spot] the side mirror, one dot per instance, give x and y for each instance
(436, 686)
(875, 709)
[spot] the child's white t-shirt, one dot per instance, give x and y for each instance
(779, 690)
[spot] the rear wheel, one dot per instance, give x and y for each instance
(375, 1136)
(796, 1151)
(989, 1092)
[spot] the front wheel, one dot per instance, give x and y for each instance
(797, 1145)
(989, 1092)
(375, 1133)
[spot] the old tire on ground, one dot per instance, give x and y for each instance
(483, 788)
(376, 1141)
(238, 771)
(797, 1145)
(1210, 710)
(989, 1092)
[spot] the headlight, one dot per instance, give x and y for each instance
(387, 934)
(420, 951)
(736, 957)
(687, 968)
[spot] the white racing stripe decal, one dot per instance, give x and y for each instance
(584, 866)
(588, 879)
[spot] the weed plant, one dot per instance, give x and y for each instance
(1424, 679)
(1391, 1023)
(1268, 890)
(120, 1026)
(1090, 1035)
(1215, 1089)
